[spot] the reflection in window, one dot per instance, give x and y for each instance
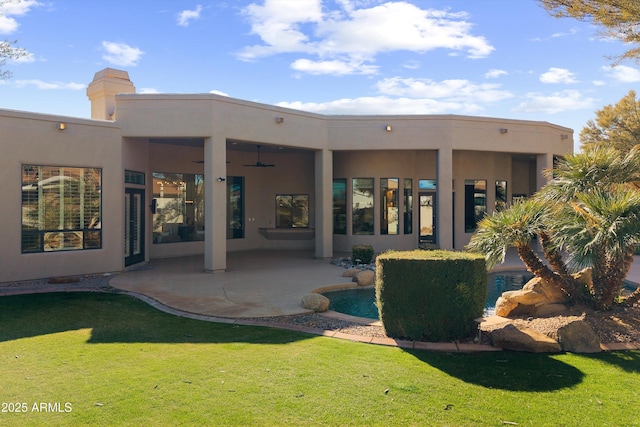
(362, 221)
(340, 206)
(475, 203)
(292, 210)
(179, 207)
(235, 207)
(61, 208)
(501, 195)
(408, 206)
(389, 206)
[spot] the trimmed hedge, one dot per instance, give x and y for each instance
(430, 295)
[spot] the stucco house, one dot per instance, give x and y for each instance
(167, 175)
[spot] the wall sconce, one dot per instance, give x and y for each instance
(62, 126)
(279, 120)
(564, 136)
(388, 128)
(221, 179)
(504, 130)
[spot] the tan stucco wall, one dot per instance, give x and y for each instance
(35, 139)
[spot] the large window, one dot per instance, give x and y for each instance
(501, 195)
(61, 208)
(235, 207)
(389, 206)
(362, 221)
(178, 207)
(408, 206)
(475, 203)
(340, 206)
(292, 210)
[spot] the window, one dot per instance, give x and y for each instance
(501, 195)
(362, 220)
(340, 206)
(235, 207)
(408, 206)
(389, 206)
(179, 207)
(61, 208)
(475, 203)
(292, 210)
(132, 177)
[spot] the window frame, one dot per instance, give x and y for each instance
(293, 207)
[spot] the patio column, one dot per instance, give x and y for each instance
(215, 205)
(324, 203)
(444, 199)
(543, 162)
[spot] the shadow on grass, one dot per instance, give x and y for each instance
(506, 370)
(628, 361)
(115, 318)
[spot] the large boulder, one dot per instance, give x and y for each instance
(365, 278)
(541, 286)
(350, 272)
(578, 337)
(512, 337)
(530, 300)
(315, 302)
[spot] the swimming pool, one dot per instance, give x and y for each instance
(361, 302)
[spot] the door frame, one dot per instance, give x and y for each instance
(434, 213)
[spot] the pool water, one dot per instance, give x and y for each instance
(362, 302)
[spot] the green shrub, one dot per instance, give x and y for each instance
(362, 254)
(430, 295)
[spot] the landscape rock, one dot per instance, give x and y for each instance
(578, 337)
(512, 337)
(541, 286)
(351, 272)
(365, 278)
(315, 302)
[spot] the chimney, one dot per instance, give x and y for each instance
(103, 89)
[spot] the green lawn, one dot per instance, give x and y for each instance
(107, 359)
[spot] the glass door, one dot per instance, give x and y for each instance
(427, 218)
(133, 226)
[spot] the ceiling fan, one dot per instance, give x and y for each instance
(259, 164)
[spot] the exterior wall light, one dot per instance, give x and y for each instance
(279, 120)
(388, 128)
(62, 126)
(221, 179)
(504, 130)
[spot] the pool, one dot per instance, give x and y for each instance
(361, 302)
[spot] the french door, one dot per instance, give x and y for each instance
(427, 218)
(133, 226)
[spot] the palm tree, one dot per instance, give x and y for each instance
(589, 212)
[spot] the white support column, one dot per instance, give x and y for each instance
(215, 205)
(543, 162)
(444, 199)
(324, 203)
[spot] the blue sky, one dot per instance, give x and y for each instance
(499, 58)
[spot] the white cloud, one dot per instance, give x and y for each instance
(494, 74)
(121, 54)
(558, 75)
(186, 16)
(356, 31)
(623, 73)
(454, 89)
(39, 84)
(335, 67)
(384, 105)
(147, 90)
(11, 8)
(567, 100)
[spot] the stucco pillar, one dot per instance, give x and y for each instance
(444, 196)
(543, 162)
(215, 205)
(324, 203)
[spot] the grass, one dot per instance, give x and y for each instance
(117, 361)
